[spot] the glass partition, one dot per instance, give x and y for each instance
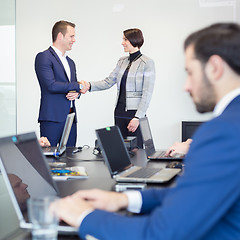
(8, 117)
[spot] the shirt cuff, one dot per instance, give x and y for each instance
(134, 201)
(83, 215)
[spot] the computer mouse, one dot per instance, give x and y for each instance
(175, 165)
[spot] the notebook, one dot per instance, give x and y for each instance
(117, 159)
(21, 159)
(151, 152)
(60, 149)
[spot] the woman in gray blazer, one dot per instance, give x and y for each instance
(135, 77)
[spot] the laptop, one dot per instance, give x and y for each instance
(116, 157)
(61, 148)
(149, 147)
(21, 160)
(9, 227)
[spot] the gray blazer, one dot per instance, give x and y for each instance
(139, 85)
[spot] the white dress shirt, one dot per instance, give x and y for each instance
(223, 103)
(64, 61)
(65, 64)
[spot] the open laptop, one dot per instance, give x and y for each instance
(9, 227)
(151, 152)
(21, 160)
(60, 149)
(116, 156)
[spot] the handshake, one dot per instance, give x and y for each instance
(84, 86)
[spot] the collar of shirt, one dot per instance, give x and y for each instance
(58, 52)
(134, 56)
(223, 103)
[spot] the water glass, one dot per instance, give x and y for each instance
(43, 220)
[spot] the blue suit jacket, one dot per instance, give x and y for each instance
(54, 85)
(204, 204)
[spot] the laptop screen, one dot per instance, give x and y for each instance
(147, 136)
(25, 168)
(66, 130)
(8, 217)
(113, 148)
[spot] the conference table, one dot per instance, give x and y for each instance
(98, 174)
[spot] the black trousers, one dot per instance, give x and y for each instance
(122, 119)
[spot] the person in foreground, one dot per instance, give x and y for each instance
(205, 203)
(56, 74)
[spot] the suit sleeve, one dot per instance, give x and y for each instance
(196, 206)
(52, 77)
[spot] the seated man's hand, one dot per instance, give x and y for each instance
(105, 200)
(70, 208)
(178, 148)
(43, 141)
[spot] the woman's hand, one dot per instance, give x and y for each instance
(133, 125)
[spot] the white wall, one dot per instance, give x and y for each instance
(165, 25)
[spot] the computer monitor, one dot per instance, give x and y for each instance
(188, 129)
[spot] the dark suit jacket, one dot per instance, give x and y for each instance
(205, 204)
(54, 85)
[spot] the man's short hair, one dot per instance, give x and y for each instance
(60, 26)
(134, 36)
(222, 39)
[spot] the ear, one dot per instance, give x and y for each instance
(214, 67)
(60, 36)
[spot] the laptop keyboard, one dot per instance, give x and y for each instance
(144, 172)
(49, 149)
(161, 154)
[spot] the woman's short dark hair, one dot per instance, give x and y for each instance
(60, 26)
(222, 39)
(134, 36)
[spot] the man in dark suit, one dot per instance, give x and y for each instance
(205, 203)
(56, 73)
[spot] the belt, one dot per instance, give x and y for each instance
(71, 110)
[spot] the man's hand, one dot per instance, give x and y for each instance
(133, 125)
(178, 148)
(108, 201)
(43, 141)
(69, 209)
(85, 85)
(72, 95)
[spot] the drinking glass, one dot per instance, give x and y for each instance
(44, 222)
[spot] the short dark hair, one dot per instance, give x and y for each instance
(134, 36)
(60, 26)
(222, 39)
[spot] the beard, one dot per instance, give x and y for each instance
(207, 100)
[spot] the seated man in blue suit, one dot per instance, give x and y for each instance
(56, 74)
(205, 203)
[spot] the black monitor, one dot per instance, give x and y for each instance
(188, 129)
